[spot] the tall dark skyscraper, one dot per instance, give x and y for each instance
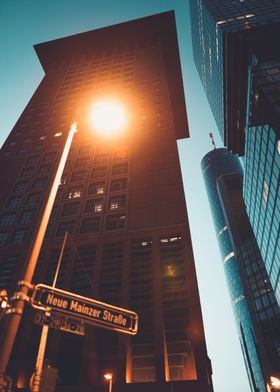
(122, 202)
(253, 300)
(238, 59)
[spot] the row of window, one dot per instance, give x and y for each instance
(75, 191)
(95, 205)
(88, 226)
(25, 217)
(38, 148)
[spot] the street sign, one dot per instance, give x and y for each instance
(90, 311)
(60, 322)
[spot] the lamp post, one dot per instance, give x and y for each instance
(16, 310)
(109, 377)
(113, 119)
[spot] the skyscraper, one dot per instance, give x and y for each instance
(122, 202)
(254, 304)
(226, 35)
(237, 57)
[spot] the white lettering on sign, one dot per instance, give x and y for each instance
(108, 316)
(75, 306)
(57, 302)
(86, 310)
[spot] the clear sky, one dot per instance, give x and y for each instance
(24, 23)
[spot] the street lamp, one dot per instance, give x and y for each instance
(109, 377)
(274, 384)
(104, 112)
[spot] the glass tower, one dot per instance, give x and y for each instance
(238, 59)
(254, 305)
(225, 35)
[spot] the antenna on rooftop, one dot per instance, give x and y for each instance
(212, 140)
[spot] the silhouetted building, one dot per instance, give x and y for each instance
(122, 202)
(254, 304)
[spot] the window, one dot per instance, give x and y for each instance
(265, 191)
(90, 225)
(119, 169)
(120, 153)
(96, 188)
(27, 172)
(117, 202)
(78, 176)
(33, 199)
(33, 160)
(98, 172)
(44, 169)
(7, 219)
(94, 206)
(75, 192)
(3, 237)
(70, 209)
(68, 226)
(19, 236)
(39, 184)
(49, 157)
(53, 145)
(21, 186)
(119, 184)
(81, 162)
(228, 257)
(84, 150)
(116, 221)
(7, 269)
(14, 202)
(27, 217)
(100, 158)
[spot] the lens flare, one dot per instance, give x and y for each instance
(108, 117)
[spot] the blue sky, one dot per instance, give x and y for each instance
(24, 23)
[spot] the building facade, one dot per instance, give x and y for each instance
(254, 304)
(226, 34)
(238, 61)
(262, 164)
(121, 203)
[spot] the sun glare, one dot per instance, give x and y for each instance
(108, 117)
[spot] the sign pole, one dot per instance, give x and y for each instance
(45, 330)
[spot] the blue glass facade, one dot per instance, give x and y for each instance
(262, 195)
(225, 34)
(255, 308)
(208, 57)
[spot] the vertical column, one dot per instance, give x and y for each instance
(159, 333)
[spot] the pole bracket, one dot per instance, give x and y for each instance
(21, 296)
(26, 284)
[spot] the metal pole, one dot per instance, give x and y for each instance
(45, 330)
(40, 359)
(16, 311)
(60, 259)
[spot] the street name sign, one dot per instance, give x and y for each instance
(90, 311)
